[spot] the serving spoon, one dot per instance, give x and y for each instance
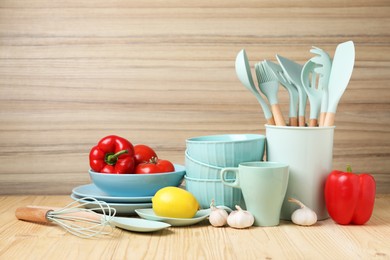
(244, 74)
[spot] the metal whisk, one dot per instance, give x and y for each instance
(75, 219)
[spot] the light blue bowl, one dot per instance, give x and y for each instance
(226, 150)
(199, 170)
(196, 169)
(206, 190)
(136, 185)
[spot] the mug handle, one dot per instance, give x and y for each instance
(236, 183)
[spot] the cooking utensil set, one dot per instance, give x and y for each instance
(320, 80)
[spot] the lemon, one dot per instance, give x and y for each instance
(174, 202)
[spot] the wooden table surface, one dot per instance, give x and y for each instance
(325, 240)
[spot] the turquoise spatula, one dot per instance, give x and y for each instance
(340, 74)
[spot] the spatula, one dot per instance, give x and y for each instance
(244, 74)
(340, 74)
(293, 71)
(291, 89)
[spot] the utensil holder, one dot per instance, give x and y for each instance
(308, 151)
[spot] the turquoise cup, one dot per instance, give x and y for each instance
(264, 186)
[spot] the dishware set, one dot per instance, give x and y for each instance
(298, 160)
(320, 81)
(124, 192)
(229, 169)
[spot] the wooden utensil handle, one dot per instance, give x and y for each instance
(39, 214)
(279, 120)
(33, 214)
(329, 119)
(270, 121)
(322, 118)
(313, 122)
(293, 121)
(302, 121)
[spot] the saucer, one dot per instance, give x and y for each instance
(175, 222)
(90, 190)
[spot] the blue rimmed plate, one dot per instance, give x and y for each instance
(90, 190)
(121, 208)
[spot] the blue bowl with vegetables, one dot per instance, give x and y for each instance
(137, 185)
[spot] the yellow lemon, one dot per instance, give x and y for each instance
(174, 202)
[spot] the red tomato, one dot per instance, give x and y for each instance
(143, 153)
(154, 166)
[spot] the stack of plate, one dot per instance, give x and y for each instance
(123, 205)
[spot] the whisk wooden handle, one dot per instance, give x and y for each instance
(33, 214)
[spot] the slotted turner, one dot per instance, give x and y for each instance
(313, 90)
(324, 61)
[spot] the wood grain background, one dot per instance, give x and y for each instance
(158, 72)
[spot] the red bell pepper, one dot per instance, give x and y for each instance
(350, 197)
(113, 154)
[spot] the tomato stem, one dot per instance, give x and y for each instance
(349, 168)
(153, 160)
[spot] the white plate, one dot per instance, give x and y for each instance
(121, 208)
(90, 190)
(175, 222)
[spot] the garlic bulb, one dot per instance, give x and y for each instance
(218, 217)
(240, 218)
(303, 216)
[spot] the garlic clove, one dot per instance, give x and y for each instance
(303, 216)
(240, 218)
(218, 217)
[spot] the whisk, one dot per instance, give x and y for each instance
(75, 219)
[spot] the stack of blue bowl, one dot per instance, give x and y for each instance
(207, 155)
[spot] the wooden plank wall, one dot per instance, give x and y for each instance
(158, 72)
